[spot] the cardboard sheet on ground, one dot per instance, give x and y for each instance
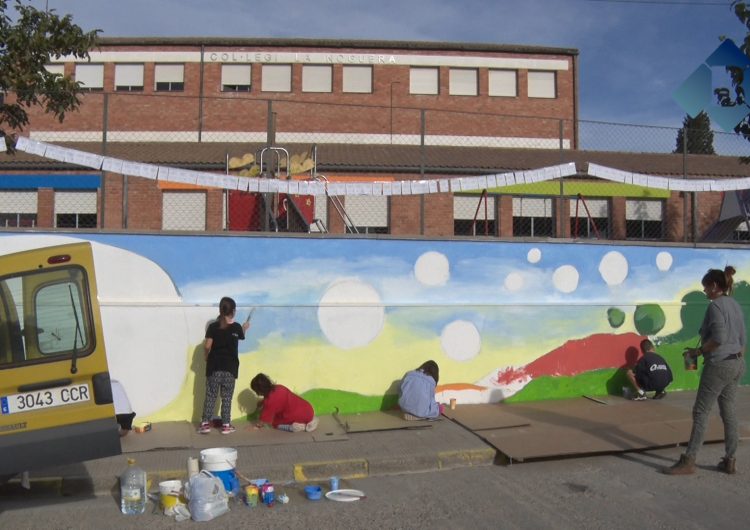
(581, 426)
(485, 416)
(380, 421)
(170, 435)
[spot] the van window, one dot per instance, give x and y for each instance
(54, 322)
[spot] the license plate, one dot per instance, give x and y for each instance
(42, 399)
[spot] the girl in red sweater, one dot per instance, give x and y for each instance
(282, 408)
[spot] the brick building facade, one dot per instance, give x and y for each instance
(373, 110)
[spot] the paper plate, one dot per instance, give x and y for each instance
(345, 495)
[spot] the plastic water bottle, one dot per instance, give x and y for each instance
(133, 489)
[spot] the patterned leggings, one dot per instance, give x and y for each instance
(219, 382)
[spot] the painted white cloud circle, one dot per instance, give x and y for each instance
(513, 281)
(460, 340)
(351, 313)
(614, 268)
(534, 255)
(565, 279)
(664, 261)
(432, 268)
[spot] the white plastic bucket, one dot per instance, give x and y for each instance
(219, 459)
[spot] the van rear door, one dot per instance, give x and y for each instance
(55, 394)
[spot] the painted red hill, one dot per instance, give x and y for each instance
(601, 350)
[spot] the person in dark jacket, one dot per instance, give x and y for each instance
(650, 374)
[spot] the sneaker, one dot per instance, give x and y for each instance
(660, 395)
(298, 427)
(205, 428)
(312, 425)
(411, 417)
(640, 396)
(227, 428)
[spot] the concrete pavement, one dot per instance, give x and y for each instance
(445, 445)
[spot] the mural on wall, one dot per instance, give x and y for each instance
(341, 320)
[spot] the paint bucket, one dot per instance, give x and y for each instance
(690, 362)
(221, 462)
(334, 483)
(229, 479)
(170, 494)
(219, 459)
(313, 493)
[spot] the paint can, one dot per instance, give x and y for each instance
(334, 483)
(690, 362)
(250, 495)
(268, 494)
(453, 403)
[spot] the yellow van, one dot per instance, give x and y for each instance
(55, 394)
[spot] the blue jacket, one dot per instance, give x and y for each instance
(417, 395)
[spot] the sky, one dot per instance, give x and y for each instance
(633, 53)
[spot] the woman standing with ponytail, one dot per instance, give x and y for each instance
(723, 341)
(222, 364)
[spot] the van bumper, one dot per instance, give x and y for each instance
(52, 447)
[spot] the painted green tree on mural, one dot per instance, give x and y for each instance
(615, 317)
(649, 319)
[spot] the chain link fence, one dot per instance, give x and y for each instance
(284, 139)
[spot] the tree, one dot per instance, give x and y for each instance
(649, 319)
(26, 46)
(700, 138)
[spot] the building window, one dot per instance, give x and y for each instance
(57, 68)
(75, 209)
(357, 79)
(91, 76)
(18, 209)
(369, 213)
(317, 78)
(471, 218)
(184, 210)
(533, 217)
(169, 77)
(129, 77)
(542, 85)
(235, 77)
(424, 80)
(583, 226)
(644, 219)
(276, 78)
(503, 83)
(463, 82)
(741, 233)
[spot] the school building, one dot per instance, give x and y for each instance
(343, 111)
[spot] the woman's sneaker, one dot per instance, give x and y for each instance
(205, 428)
(298, 427)
(312, 425)
(227, 428)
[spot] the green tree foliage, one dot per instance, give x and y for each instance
(700, 138)
(723, 96)
(615, 316)
(649, 319)
(27, 42)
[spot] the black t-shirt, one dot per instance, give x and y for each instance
(652, 372)
(223, 356)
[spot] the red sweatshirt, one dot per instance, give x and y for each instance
(284, 407)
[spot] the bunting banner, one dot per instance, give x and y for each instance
(403, 187)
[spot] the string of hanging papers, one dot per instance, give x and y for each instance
(404, 187)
